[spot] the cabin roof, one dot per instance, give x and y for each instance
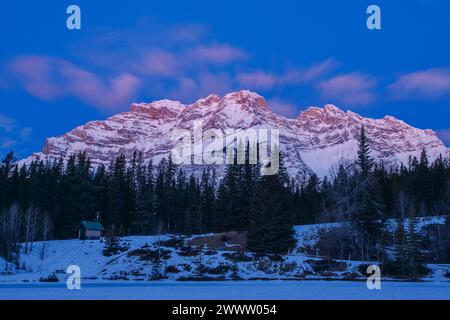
(92, 225)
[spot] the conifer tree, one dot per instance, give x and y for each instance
(270, 228)
(413, 250)
(366, 219)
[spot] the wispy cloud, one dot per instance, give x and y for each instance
(217, 54)
(51, 78)
(7, 143)
(6, 123)
(352, 89)
(202, 85)
(444, 135)
(109, 70)
(256, 80)
(424, 84)
(283, 108)
(25, 133)
(297, 76)
(158, 62)
(11, 133)
(293, 76)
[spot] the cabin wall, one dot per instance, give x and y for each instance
(93, 234)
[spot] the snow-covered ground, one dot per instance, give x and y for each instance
(231, 290)
(126, 275)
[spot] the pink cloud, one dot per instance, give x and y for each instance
(283, 108)
(217, 54)
(428, 84)
(187, 33)
(354, 89)
(319, 69)
(299, 76)
(204, 84)
(217, 82)
(50, 78)
(292, 76)
(256, 80)
(34, 73)
(158, 63)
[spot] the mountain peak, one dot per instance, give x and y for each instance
(209, 101)
(331, 108)
(316, 141)
(158, 109)
(246, 97)
(328, 111)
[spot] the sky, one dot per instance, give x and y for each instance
(294, 53)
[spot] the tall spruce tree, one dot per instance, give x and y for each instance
(271, 215)
(366, 220)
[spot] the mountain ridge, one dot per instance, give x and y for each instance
(317, 140)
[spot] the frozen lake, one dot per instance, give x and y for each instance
(239, 290)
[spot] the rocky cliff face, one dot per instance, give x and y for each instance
(316, 141)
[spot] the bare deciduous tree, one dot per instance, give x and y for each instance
(46, 229)
(30, 226)
(9, 236)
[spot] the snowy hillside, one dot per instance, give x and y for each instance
(207, 257)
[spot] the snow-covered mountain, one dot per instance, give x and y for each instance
(316, 141)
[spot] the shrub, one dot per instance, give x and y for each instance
(396, 269)
(173, 243)
(238, 257)
(220, 269)
(335, 243)
(201, 278)
(327, 265)
(150, 255)
(172, 269)
(113, 246)
(51, 278)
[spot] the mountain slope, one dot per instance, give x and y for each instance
(182, 255)
(316, 141)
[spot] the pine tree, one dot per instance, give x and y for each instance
(398, 265)
(271, 216)
(144, 198)
(112, 245)
(100, 189)
(447, 225)
(121, 197)
(409, 258)
(164, 196)
(181, 202)
(75, 196)
(207, 197)
(366, 219)
(230, 211)
(6, 167)
(440, 184)
(311, 200)
(192, 209)
(364, 161)
(413, 252)
(170, 181)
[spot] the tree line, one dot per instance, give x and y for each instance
(48, 199)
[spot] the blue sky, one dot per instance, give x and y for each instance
(294, 53)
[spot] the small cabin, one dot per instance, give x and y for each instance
(90, 230)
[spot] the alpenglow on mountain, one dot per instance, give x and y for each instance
(318, 140)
